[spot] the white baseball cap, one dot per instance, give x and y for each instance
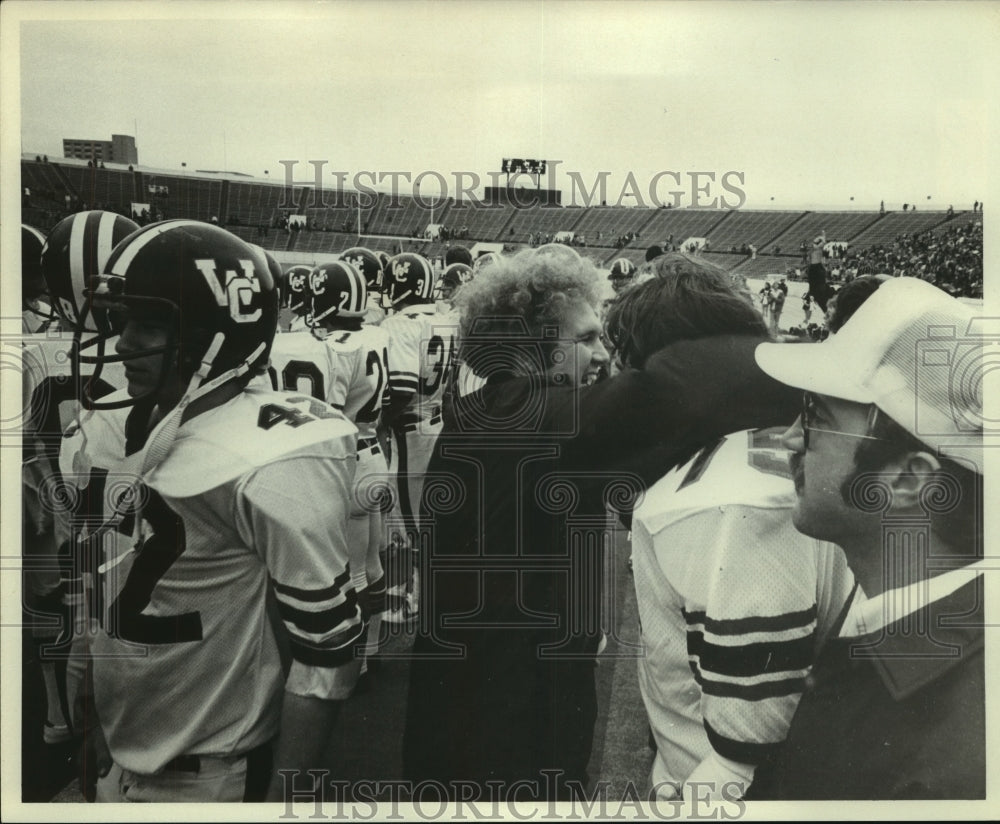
(911, 349)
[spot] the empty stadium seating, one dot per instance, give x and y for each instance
(681, 223)
(251, 209)
(545, 219)
(611, 222)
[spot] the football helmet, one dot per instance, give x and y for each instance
(384, 258)
(297, 282)
(458, 254)
(412, 279)
(484, 260)
(212, 291)
(32, 281)
(366, 262)
(623, 271)
(622, 268)
(453, 277)
(76, 250)
(337, 289)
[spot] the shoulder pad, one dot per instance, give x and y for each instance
(254, 429)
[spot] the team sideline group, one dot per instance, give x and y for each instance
(235, 476)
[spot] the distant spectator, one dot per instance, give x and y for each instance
(816, 273)
(777, 305)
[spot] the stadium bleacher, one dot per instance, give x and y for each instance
(892, 224)
(610, 222)
(254, 211)
(193, 197)
(741, 226)
(109, 187)
(252, 204)
(545, 219)
(837, 225)
(484, 222)
(681, 223)
(407, 216)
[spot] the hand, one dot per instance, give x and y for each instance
(94, 761)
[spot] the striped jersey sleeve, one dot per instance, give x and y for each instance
(295, 512)
(752, 638)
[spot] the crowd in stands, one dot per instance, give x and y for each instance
(951, 260)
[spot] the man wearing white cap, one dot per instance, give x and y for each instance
(887, 462)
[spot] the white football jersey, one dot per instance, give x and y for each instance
(733, 602)
(360, 374)
(423, 345)
(300, 363)
(253, 496)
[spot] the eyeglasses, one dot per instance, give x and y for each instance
(809, 411)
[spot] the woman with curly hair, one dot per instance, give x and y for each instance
(535, 449)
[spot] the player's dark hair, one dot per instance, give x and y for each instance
(687, 298)
(457, 254)
(849, 299)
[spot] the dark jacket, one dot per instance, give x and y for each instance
(898, 716)
(513, 522)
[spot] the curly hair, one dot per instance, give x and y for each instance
(686, 298)
(522, 296)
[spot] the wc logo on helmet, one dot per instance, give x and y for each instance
(317, 282)
(236, 291)
(400, 269)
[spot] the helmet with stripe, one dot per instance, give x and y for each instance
(338, 290)
(76, 250)
(384, 258)
(484, 260)
(366, 262)
(412, 279)
(297, 285)
(32, 282)
(622, 268)
(623, 271)
(451, 278)
(213, 292)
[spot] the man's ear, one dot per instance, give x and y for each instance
(915, 470)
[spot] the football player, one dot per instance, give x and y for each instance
(77, 246)
(370, 266)
(36, 313)
(232, 565)
(451, 279)
(422, 347)
(484, 261)
(359, 354)
(457, 254)
(298, 362)
(734, 604)
(622, 274)
(296, 302)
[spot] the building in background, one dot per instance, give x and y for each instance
(120, 149)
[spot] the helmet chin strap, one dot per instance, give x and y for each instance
(162, 437)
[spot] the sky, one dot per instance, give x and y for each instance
(795, 105)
